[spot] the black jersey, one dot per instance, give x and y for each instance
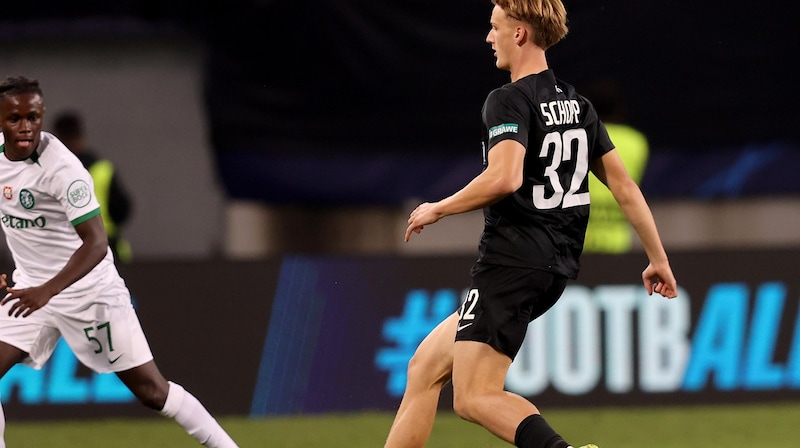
(542, 225)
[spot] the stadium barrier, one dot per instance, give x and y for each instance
(315, 334)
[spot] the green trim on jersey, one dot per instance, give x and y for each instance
(34, 156)
(85, 217)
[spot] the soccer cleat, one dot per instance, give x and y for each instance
(589, 446)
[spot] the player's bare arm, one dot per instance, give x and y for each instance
(658, 276)
(88, 255)
(502, 176)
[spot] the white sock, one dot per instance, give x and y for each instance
(194, 418)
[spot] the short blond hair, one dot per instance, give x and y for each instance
(547, 17)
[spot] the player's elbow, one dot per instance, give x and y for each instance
(624, 190)
(98, 247)
(504, 186)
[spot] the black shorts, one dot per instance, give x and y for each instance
(502, 301)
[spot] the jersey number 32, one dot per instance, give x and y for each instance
(569, 150)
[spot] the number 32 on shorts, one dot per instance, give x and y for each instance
(468, 307)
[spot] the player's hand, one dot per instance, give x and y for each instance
(660, 279)
(423, 215)
(3, 283)
(28, 300)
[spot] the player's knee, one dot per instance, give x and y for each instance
(417, 368)
(465, 406)
(423, 371)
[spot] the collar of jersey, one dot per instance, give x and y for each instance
(34, 155)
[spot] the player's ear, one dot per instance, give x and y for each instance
(520, 35)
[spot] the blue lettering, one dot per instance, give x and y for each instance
(718, 338)
(421, 314)
(29, 382)
(107, 388)
(759, 372)
(65, 387)
(793, 364)
(57, 383)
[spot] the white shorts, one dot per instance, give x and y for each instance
(103, 331)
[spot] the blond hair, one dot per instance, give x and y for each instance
(547, 17)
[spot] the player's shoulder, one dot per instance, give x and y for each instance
(54, 154)
(510, 95)
(504, 91)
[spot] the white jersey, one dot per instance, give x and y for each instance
(44, 197)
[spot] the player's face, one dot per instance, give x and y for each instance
(501, 37)
(21, 121)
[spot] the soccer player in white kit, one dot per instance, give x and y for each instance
(65, 281)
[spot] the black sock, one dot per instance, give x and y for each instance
(534, 432)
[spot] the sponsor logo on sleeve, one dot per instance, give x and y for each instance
(79, 194)
(503, 129)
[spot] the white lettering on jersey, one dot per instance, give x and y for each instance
(561, 112)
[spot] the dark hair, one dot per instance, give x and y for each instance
(19, 85)
(68, 126)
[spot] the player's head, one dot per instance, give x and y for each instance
(21, 116)
(18, 85)
(547, 19)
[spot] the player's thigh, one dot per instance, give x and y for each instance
(9, 356)
(34, 336)
(433, 359)
(478, 368)
(106, 338)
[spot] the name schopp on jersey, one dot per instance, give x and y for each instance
(560, 112)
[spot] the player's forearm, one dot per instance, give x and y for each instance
(641, 219)
(81, 263)
(484, 190)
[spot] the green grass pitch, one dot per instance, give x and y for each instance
(733, 426)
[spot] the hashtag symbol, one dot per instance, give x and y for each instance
(421, 314)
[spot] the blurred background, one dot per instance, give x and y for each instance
(276, 148)
(253, 129)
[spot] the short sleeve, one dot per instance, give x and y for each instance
(74, 189)
(603, 143)
(506, 116)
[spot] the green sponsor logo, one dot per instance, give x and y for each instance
(13, 222)
(503, 128)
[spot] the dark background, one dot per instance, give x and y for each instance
(330, 90)
(697, 74)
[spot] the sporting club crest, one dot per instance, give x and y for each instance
(26, 199)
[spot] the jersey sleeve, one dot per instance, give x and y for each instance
(506, 117)
(74, 189)
(603, 143)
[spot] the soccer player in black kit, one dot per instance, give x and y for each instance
(541, 139)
